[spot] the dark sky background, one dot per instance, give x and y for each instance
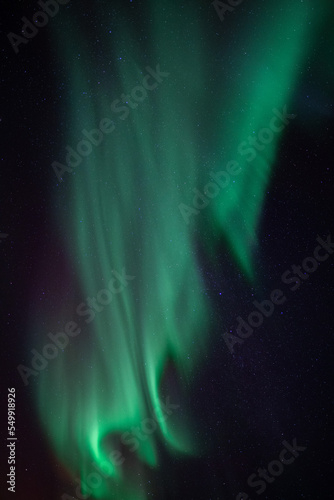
(278, 384)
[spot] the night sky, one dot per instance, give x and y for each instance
(167, 249)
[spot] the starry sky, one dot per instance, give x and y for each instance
(166, 248)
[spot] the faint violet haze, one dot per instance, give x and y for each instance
(120, 210)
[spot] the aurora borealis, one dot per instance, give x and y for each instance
(175, 133)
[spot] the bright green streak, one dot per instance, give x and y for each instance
(262, 77)
(123, 213)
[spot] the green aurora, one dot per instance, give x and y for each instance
(124, 213)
